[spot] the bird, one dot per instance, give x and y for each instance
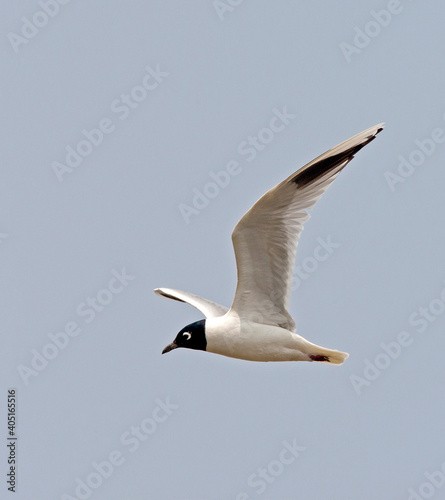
(258, 325)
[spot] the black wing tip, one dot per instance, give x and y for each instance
(311, 173)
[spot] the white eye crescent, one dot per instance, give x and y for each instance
(187, 335)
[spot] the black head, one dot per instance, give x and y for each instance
(192, 336)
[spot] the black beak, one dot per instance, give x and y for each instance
(170, 347)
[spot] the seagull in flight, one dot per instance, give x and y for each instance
(258, 326)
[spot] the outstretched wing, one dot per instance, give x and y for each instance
(207, 307)
(265, 240)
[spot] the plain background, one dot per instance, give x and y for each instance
(61, 241)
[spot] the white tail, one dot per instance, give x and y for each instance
(324, 355)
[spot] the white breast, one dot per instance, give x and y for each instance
(235, 338)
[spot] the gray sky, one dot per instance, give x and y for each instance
(117, 121)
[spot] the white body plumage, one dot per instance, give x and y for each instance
(258, 326)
